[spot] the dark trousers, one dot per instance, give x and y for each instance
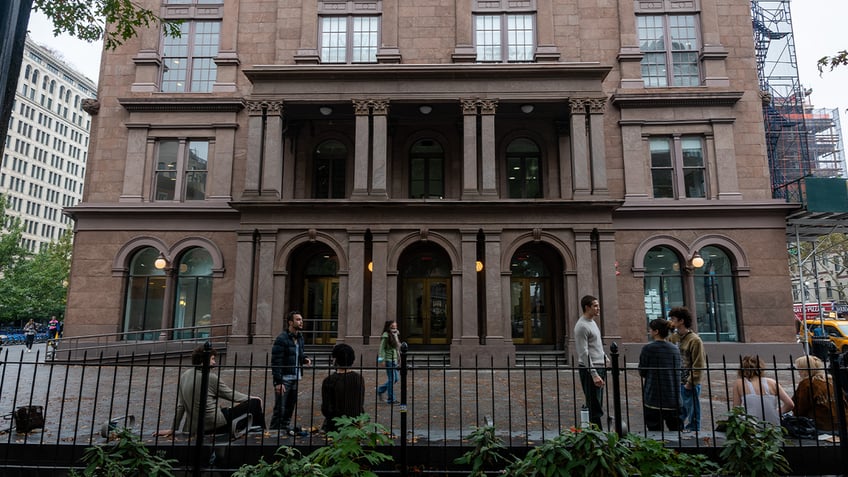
(30, 339)
(654, 419)
(251, 406)
(284, 405)
(594, 395)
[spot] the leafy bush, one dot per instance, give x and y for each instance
(352, 451)
(585, 452)
(753, 447)
(289, 462)
(488, 452)
(127, 456)
(652, 458)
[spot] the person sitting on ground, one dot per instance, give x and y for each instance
(760, 396)
(214, 417)
(814, 397)
(343, 392)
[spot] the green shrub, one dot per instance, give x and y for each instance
(489, 451)
(289, 462)
(652, 458)
(352, 451)
(753, 447)
(127, 456)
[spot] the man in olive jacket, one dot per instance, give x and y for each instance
(287, 360)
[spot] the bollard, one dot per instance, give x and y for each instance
(404, 348)
(616, 389)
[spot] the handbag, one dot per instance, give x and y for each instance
(28, 418)
(799, 427)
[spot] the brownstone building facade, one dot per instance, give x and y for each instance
(469, 168)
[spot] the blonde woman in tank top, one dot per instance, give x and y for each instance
(760, 396)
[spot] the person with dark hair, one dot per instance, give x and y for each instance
(288, 358)
(659, 366)
(29, 334)
(343, 392)
(761, 397)
(694, 360)
(591, 359)
(389, 355)
(214, 418)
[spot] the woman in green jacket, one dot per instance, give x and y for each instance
(388, 356)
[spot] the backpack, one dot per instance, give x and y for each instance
(799, 427)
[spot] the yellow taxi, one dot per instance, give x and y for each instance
(836, 330)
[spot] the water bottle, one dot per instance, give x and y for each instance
(584, 417)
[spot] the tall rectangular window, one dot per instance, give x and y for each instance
(188, 61)
(349, 39)
(677, 167)
(505, 37)
(181, 169)
(670, 46)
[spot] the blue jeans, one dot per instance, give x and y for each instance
(691, 407)
(392, 378)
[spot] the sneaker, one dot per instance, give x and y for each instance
(297, 432)
(392, 401)
(380, 394)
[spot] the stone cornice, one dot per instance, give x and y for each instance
(668, 97)
(177, 105)
(446, 72)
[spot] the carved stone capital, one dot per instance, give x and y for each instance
(380, 106)
(469, 106)
(578, 105)
(254, 108)
(596, 105)
(274, 107)
(361, 107)
(488, 106)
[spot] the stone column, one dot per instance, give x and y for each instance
(598, 146)
(227, 60)
(635, 151)
(566, 186)
(629, 54)
(241, 286)
(380, 108)
(468, 333)
(497, 322)
(579, 149)
(464, 51)
(389, 51)
(265, 286)
(353, 315)
(272, 162)
(360, 157)
(488, 162)
(546, 50)
(255, 139)
(469, 148)
(379, 281)
(586, 282)
(220, 181)
(714, 54)
(727, 175)
(140, 151)
(308, 50)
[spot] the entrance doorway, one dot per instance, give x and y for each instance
(425, 284)
(533, 300)
(315, 292)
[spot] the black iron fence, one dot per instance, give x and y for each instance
(439, 408)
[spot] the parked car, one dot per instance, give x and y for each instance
(836, 330)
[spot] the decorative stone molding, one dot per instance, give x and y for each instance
(361, 107)
(537, 235)
(488, 106)
(380, 106)
(312, 234)
(596, 105)
(577, 105)
(469, 106)
(274, 107)
(423, 234)
(256, 108)
(91, 106)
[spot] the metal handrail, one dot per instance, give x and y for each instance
(166, 339)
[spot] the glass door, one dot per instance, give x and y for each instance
(321, 313)
(426, 310)
(530, 318)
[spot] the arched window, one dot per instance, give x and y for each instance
(329, 170)
(193, 300)
(61, 91)
(531, 298)
(523, 169)
(663, 282)
(52, 86)
(145, 296)
(715, 297)
(27, 72)
(35, 77)
(426, 170)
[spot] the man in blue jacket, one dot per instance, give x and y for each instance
(287, 361)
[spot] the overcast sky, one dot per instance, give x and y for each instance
(817, 24)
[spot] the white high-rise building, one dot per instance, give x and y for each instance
(46, 145)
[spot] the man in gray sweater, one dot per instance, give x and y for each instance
(591, 358)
